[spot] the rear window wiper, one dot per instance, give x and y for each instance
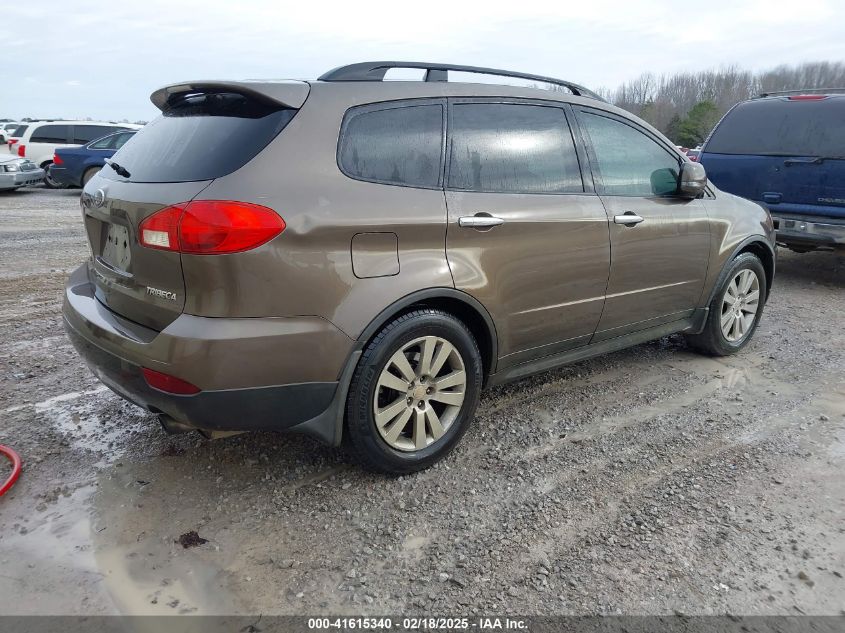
(121, 171)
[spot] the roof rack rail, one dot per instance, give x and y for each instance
(806, 91)
(375, 71)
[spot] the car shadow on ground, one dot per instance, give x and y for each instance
(818, 267)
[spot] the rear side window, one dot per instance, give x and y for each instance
(782, 127)
(393, 145)
(512, 148)
(628, 162)
(113, 141)
(201, 136)
(56, 134)
(83, 134)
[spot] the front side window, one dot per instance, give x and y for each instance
(512, 148)
(629, 162)
(56, 134)
(396, 145)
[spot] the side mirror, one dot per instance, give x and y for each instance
(692, 181)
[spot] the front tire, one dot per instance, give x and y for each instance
(735, 310)
(414, 392)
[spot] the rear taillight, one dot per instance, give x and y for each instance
(12, 141)
(57, 160)
(22, 150)
(168, 383)
(210, 227)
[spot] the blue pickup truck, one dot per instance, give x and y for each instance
(787, 152)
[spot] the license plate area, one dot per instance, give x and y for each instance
(116, 251)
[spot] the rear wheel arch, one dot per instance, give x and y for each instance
(459, 304)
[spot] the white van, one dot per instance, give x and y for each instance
(42, 138)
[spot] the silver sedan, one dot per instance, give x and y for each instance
(18, 172)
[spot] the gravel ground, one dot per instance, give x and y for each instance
(649, 481)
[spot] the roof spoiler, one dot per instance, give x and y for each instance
(291, 94)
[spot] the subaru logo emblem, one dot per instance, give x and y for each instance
(99, 198)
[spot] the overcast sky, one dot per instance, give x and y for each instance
(87, 58)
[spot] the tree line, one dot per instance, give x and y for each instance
(686, 106)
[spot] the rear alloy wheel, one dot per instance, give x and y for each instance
(414, 392)
(89, 174)
(415, 406)
(736, 309)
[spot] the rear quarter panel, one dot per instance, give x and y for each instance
(307, 270)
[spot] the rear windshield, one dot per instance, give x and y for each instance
(20, 130)
(200, 136)
(782, 127)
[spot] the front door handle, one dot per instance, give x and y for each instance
(629, 218)
(480, 221)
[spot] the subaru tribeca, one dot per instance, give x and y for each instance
(357, 258)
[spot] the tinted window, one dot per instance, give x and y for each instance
(55, 134)
(399, 145)
(120, 139)
(201, 136)
(782, 127)
(113, 141)
(512, 148)
(629, 162)
(20, 130)
(83, 134)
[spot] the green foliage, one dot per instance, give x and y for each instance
(694, 128)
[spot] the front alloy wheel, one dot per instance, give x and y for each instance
(739, 305)
(735, 310)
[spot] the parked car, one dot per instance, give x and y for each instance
(15, 137)
(786, 151)
(41, 140)
(6, 130)
(341, 258)
(18, 172)
(75, 166)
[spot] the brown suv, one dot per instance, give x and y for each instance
(352, 257)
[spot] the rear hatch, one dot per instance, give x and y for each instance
(785, 152)
(206, 130)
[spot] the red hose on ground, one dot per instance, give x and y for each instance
(16, 468)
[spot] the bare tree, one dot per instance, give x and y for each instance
(666, 100)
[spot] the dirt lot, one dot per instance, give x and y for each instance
(649, 481)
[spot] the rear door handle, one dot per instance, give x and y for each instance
(480, 221)
(629, 218)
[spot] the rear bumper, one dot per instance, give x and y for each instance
(64, 176)
(239, 390)
(812, 231)
(15, 179)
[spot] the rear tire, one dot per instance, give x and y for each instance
(735, 309)
(414, 392)
(48, 179)
(89, 174)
